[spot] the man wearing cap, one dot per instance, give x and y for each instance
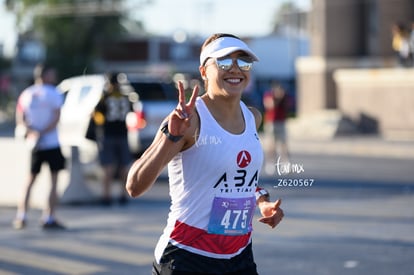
(214, 156)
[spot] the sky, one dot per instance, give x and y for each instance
(241, 17)
(166, 17)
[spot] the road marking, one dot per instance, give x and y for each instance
(46, 262)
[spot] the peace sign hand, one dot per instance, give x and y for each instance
(179, 119)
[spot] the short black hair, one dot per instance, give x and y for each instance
(113, 78)
(40, 70)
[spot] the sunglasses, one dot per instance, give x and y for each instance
(244, 63)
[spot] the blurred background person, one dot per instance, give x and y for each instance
(401, 44)
(114, 154)
(38, 113)
(412, 43)
(276, 106)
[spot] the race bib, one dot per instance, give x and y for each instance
(231, 216)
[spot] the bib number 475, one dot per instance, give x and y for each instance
(232, 218)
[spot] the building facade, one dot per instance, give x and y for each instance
(354, 35)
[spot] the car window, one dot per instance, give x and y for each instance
(64, 96)
(155, 91)
(84, 93)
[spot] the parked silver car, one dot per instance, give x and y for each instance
(156, 99)
(153, 101)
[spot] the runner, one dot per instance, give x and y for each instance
(214, 156)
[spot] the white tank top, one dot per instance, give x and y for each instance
(219, 165)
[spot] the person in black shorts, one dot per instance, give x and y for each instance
(38, 112)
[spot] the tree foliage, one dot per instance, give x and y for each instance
(72, 31)
(284, 15)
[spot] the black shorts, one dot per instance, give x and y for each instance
(53, 157)
(176, 261)
(114, 151)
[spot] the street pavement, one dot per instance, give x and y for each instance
(357, 217)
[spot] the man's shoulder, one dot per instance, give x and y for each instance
(50, 87)
(28, 89)
(117, 94)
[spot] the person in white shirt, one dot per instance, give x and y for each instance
(38, 112)
(214, 157)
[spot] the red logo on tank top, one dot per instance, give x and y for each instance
(243, 159)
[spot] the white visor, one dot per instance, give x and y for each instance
(224, 46)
